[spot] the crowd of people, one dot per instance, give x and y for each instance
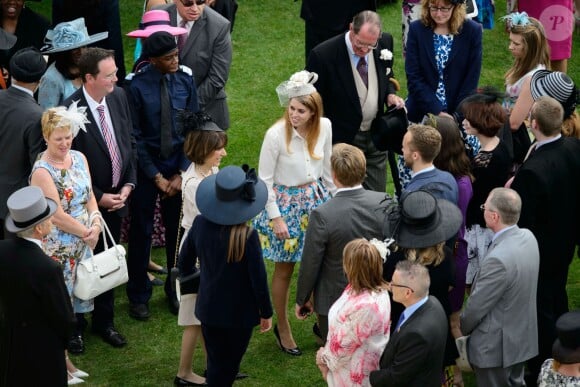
(474, 245)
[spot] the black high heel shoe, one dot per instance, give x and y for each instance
(290, 351)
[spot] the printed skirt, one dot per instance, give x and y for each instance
(295, 204)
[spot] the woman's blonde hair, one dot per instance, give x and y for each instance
(455, 22)
(535, 47)
(363, 266)
(432, 255)
(51, 120)
(314, 103)
(571, 125)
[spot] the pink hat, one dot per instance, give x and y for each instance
(155, 21)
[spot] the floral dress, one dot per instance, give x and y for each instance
(358, 332)
(550, 378)
(74, 189)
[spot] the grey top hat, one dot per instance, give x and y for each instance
(421, 220)
(566, 348)
(7, 40)
(28, 207)
(70, 35)
(232, 196)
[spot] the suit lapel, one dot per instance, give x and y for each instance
(194, 32)
(345, 73)
(93, 128)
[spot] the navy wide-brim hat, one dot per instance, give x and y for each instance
(232, 196)
(387, 131)
(421, 221)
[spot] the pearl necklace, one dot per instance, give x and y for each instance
(56, 161)
(202, 173)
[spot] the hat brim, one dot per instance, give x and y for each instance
(565, 355)
(92, 39)
(228, 213)
(445, 225)
(11, 227)
(7, 40)
(175, 31)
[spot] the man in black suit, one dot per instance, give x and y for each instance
(36, 314)
(324, 19)
(110, 152)
(20, 131)
(549, 184)
(414, 354)
(354, 70)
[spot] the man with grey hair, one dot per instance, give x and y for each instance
(36, 315)
(500, 315)
(549, 185)
(354, 71)
(414, 353)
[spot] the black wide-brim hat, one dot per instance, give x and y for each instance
(421, 220)
(387, 131)
(566, 348)
(232, 196)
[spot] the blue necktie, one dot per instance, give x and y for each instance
(401, 320)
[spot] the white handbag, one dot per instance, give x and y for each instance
(103, 271)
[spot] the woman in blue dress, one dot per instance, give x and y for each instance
(63, 175)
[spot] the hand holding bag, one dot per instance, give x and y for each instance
(103, 271)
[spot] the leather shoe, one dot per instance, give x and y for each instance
(139, 311)
(160, 271)
(182, 382)
(157, 282)
(76, 344)
(113, 337)
(290, 351)
(173, 305)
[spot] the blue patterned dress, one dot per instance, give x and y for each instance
(74, 190)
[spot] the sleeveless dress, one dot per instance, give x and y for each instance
(74, 189)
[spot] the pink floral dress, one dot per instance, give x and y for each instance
(358, 331)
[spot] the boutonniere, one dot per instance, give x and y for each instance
(386, 54)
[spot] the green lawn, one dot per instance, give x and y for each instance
(268, 47)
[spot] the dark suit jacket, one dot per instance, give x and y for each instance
(230, 295)
(36, 316)
(439, 183)
(348, 215)
(20, 141)
(93, 146)
(461, 74)
(414, 354)
(549, 185)
(333, 15)
(208, 52)
(331, 61)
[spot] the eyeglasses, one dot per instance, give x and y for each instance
(189, 3)
(440, 9)
(390, 286)
(362, 46)
(483, 208)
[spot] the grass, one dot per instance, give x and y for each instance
(268, 47)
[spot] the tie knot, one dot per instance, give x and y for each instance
(362, 61)
(183, 23)
(101, 109)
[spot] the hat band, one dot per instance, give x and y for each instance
(33, 220)
(155, 23)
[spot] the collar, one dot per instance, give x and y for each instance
(413, 308)
(547, 141)
(497, 234)
(428, 169)
(24, 89)
(92, 103)
(344, 189)
(188, 24)
(353, 57)
(37, 242)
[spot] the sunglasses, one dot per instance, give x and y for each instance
(189, 3)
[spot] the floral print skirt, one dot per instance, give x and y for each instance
(295, 204)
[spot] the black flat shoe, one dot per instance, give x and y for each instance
(76, 344)
(182, 382)
(139, 311)
(112, 337)
(290, 351)
(160, 271)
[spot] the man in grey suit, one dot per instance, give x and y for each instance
(207, 50)
(20, 131)
(352, 213)
(500, 315)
